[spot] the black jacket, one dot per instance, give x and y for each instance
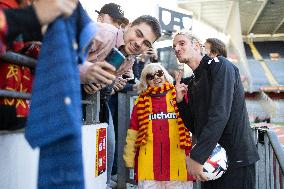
(217, 113)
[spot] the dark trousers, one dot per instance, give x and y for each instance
(238, 178)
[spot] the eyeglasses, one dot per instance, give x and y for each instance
(158, 73)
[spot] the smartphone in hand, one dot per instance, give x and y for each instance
(125, 76)
(115, 58)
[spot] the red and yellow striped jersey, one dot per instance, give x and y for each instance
(161, 158)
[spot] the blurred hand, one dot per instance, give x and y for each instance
(129, 74)
(181, 88)
(119, 84)
(98, 72)
(152, 53)
(135, 87)
(124, 67)
(195, 169)
(92, 88)
(49, 10)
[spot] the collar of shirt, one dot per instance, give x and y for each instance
(203, 65)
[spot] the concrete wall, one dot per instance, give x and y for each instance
(19, 162)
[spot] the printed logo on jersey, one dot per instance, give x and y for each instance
(162, 115)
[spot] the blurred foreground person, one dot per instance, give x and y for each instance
(28, 20)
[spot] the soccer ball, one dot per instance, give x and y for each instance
(216, 165)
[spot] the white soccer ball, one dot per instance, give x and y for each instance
(216, 165)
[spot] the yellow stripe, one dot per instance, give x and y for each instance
(140, 105)
(97, 156)
(144, 121)
(145, 159)
(266, 69)
(177, 155)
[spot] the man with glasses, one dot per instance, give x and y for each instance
(215, 113)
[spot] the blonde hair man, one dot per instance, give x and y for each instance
(215, 113)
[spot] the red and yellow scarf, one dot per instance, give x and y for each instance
(143, 115)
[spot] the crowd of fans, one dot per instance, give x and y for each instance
(23, 24)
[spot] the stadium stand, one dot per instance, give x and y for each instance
(258, 75)
(267, 47)
(277, 68)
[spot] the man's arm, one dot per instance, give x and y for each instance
(28, 20)
(186, 115)
(182, 104)
(223, 80)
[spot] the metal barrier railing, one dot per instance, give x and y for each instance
(13, 94)
(125, 104)
(92, 102)
(270, 167)
(92, 109)
(18, 59)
